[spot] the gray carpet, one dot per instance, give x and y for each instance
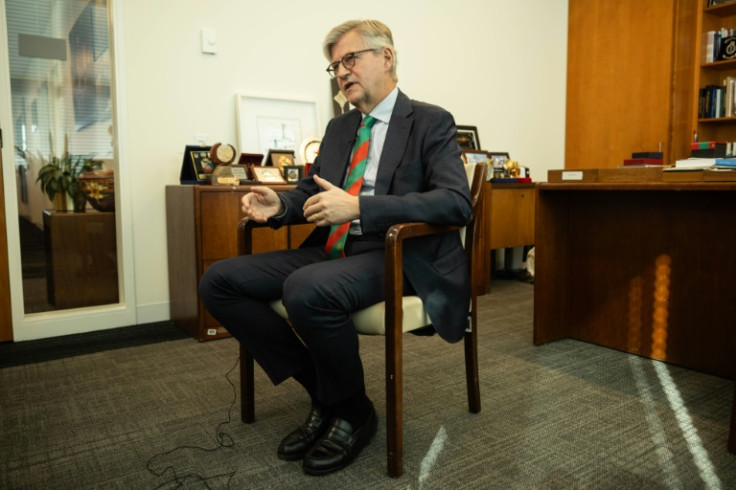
(560, 416)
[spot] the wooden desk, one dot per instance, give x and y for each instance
(81, 258)
(643, 268)
(201, 228)
(509, 220)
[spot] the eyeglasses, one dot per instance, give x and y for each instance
(348, 61)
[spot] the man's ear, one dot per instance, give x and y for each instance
(388, 57)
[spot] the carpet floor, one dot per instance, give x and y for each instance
(563, 415)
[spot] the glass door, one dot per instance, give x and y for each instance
(63, 155)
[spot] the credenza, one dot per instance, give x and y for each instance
(201, 228)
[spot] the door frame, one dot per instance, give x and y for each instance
(78, 320)
(6, 320)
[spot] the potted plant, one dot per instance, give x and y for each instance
(59, 178)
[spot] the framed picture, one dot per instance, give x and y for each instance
(267, 174)
(498, 160)
(192, 171)
(476, 156)
(467, 138)
(266, 123)
(279, 158)
(293, 173)
(203, 165)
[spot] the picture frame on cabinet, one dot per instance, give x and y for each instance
(267, 174)
(192, 169)
(467, 137)
(279, 158)
(293, 173)
(498, 160)
(476, 156)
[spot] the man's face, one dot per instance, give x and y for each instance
(364, 85)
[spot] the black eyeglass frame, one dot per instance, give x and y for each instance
(348, 61)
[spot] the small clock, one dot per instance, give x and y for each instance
(222, 153)
(309, 149)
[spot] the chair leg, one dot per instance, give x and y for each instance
(247, 396)
(394, 408)
(471, 368)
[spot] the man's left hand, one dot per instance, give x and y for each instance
(334, 206)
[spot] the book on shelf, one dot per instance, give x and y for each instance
(718, 152)
(705, 145)
(725, 163)
(511, 180)
(647, 154)
(703, 163)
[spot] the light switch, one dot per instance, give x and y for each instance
(209, 41)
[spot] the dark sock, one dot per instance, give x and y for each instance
(354, 409)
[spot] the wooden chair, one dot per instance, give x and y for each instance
(393, 317)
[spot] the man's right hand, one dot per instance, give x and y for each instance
(261, 203)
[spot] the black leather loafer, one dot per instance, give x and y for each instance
(339, 446)
(299, 441)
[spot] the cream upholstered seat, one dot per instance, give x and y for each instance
(372, 320)
(396, 315)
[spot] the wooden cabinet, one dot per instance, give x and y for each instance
(629, 80)
(81, 258)
(508, 220)
(713, 19)
(201, 228)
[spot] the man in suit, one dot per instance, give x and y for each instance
(413, 172)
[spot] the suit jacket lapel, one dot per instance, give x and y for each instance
(396, 140)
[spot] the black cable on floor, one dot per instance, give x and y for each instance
(223, 440)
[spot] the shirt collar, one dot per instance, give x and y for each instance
(385, 108)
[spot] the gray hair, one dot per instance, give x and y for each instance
(376, 35)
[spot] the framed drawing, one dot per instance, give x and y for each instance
(267, 175)
(467, 138)
(266, 123)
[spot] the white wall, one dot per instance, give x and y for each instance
(497, 64)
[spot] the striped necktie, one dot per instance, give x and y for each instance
(338, 233)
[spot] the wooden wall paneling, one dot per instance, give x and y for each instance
(618, 80)
(685, 59)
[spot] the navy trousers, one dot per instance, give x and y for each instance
(318, 294)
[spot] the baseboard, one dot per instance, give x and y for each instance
(152, 312)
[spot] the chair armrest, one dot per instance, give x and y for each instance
(395, 270)
(245, 235)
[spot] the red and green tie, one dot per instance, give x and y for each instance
(338, 233)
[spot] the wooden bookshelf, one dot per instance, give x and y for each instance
(713, 73)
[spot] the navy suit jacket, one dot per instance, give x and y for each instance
(420, 178)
